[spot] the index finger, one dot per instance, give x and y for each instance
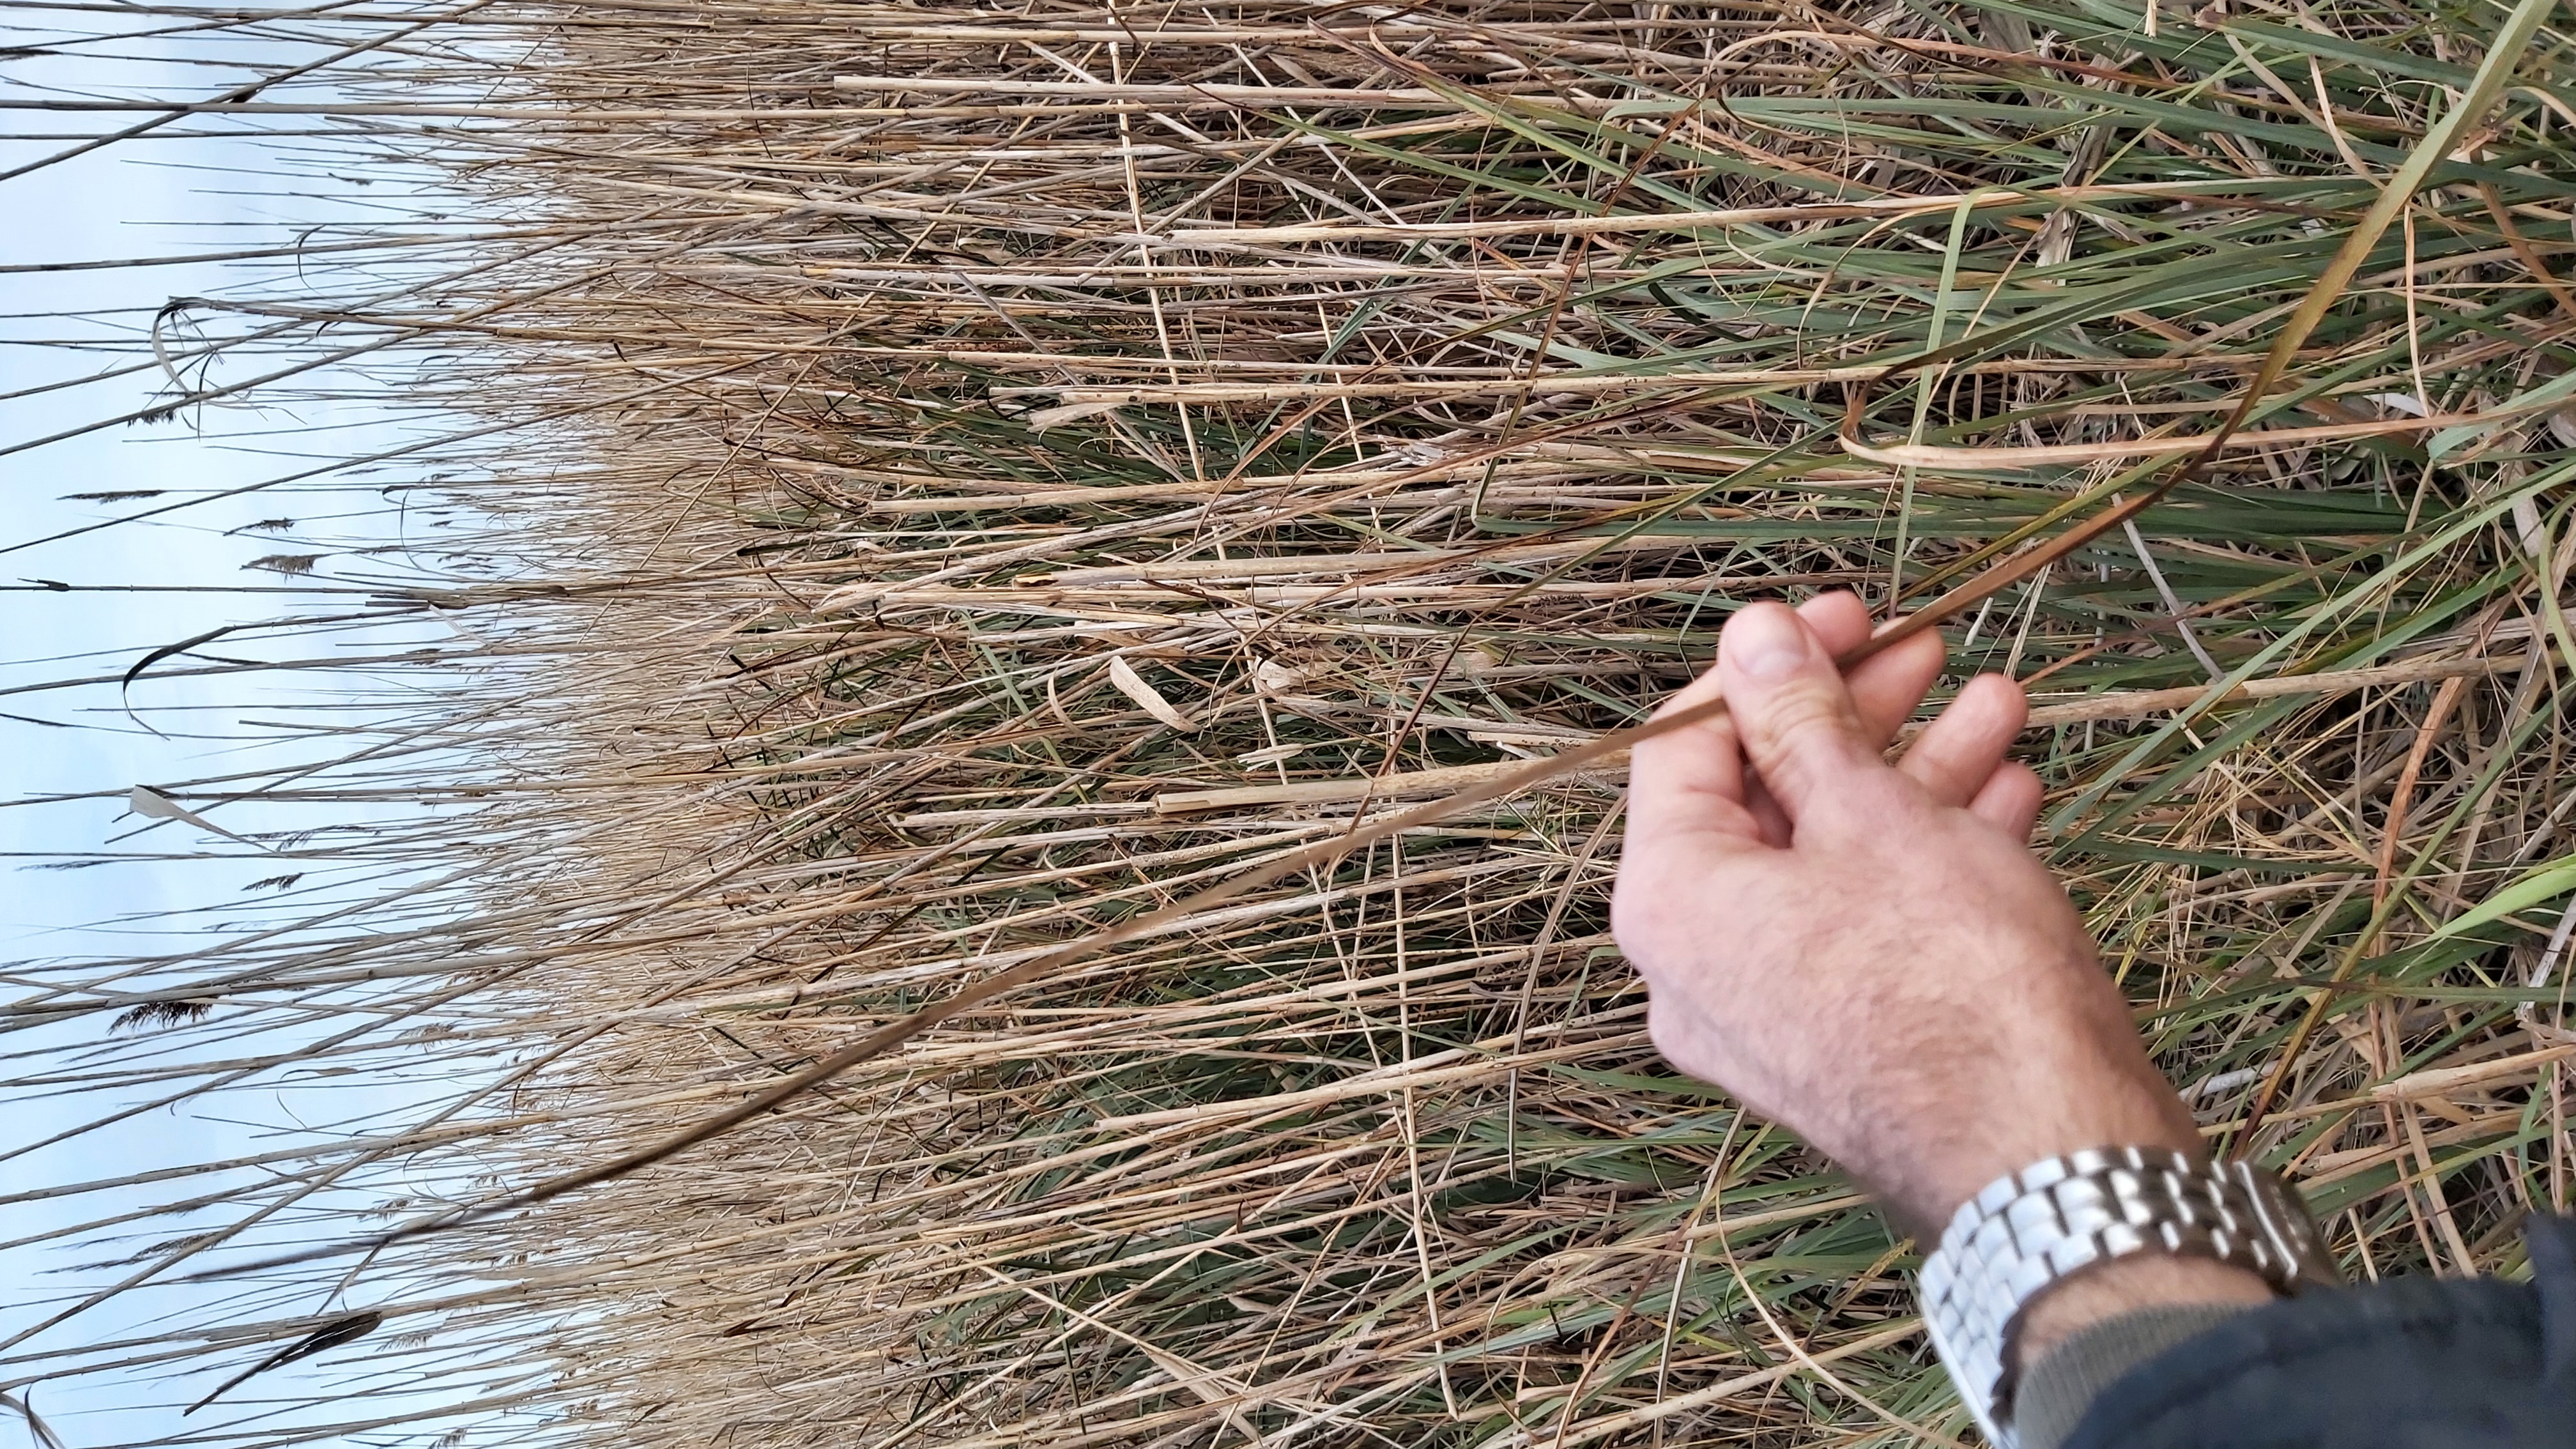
(1691, 782)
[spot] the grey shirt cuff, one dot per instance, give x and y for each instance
(2056, 1391)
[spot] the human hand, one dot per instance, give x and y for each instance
(1870, 954)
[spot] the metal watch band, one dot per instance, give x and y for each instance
(2027, 1230)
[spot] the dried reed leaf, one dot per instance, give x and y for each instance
(152, 805)
(1149, 699)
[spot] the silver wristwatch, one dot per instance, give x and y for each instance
(2024, 1232)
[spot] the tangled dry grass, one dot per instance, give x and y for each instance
(941, 483)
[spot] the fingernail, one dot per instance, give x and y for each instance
(1766, 643)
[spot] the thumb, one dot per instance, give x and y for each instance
(1799, 727)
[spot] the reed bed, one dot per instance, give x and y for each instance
(930, 485)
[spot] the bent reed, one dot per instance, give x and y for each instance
(934, 483)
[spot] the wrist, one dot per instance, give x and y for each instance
(2013, 1123)
(2127, 1285)
(2017, 1051)
(2062, 1228)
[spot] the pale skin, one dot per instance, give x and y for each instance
(1871, 955)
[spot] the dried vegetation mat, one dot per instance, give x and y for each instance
(963, 480)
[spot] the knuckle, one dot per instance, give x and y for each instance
(1800, 719)
(1804, 706)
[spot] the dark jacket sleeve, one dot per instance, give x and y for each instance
(2411, 1363)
